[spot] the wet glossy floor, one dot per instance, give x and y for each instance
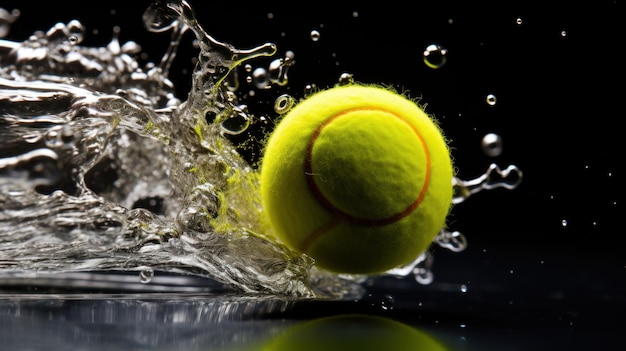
(503, 302)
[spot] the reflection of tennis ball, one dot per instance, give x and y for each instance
(353, 332)
(357, 177)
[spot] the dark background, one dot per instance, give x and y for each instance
(557, 113)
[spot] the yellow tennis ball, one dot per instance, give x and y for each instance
(357, 177)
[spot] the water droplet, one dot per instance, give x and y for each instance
(284, 103)
(346, 78)
(518, 21)
(423, 276)
(355, 14)
(463, 288)
(492, 144)
(315, 35)
(491, 99)
(146, 275)
(563, 34)
(309, 89)
(564, 223)
(435, 56)
(388, 303)
(260, 78)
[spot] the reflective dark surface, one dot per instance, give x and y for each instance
(503, 301)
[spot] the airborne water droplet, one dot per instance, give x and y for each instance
(435, 56)
(260, 78)
(492, 144)
(388, 303)
(491, 99)
(315, 35)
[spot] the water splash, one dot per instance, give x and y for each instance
(104, 168)
(508, 178)
(88, 137)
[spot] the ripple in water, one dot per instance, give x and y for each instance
(103, 168)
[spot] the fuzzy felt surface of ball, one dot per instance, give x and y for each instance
(357, 177)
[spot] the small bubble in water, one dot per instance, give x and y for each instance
(315, 35)
(435, 56)
(519, 21)
(491, 99)
(463, 288)
(284, 103)
(563, 34)
(146, 275)
(564, 223)
(492, 144)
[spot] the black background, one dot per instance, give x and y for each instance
(557, 113)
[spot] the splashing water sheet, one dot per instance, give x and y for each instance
(103, 169)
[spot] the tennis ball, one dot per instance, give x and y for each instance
(353, 332)
(357, 177)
